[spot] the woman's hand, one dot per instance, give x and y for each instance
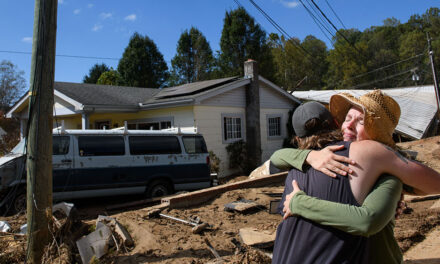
(286, 208)
(328, 162)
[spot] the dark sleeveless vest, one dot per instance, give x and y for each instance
(299, 240)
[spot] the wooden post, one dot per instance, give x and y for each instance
(434, 73)
(39, 144)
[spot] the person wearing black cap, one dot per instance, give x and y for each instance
(313, 243)
(302, 241)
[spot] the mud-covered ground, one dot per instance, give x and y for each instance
(159, 240)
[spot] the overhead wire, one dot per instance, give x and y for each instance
(279, 28)
(336, 15)
(61, 55)
(320, 24)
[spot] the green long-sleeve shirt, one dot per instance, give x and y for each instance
(373, 218)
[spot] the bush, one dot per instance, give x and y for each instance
(215, 162)
(237, 152)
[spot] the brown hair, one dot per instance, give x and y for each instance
(326, 133)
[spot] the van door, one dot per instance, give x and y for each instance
(62, 162)
(101, 166)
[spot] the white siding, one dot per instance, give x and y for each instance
(62, 108)
(209, 123)
(268, 146)
(233, 98)
(269, 98)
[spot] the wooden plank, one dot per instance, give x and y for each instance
(416, 198)
(201, 196)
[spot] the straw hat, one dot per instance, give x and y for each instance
(381, 113)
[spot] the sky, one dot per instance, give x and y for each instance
(102, 29)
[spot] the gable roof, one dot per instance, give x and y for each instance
(107, 98)
(95, 94)
(418, 106)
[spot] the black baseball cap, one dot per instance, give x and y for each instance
(306, 112)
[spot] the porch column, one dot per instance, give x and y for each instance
(84, 121)
(23, 123)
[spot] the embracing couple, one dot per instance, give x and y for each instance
(341, 209)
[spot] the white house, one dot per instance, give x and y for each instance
(222, 110)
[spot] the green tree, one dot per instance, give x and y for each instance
(12, 84)
(110, 77)
(142, 64)
(194, 60)
(243, 39)
(95, 72)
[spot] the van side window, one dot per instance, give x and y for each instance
(144, 145)
(101, 145)
(60, 145)
(194, 144)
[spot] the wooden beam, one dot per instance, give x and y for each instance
(201, 196)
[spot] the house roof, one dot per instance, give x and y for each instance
(95, 94)
(417, 104)
(107, 98)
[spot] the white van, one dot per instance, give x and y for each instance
(92, 163)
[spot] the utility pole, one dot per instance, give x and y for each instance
(434, 73)
(39, 141)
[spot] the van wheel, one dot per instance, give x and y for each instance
(18, 203)
(158, 188)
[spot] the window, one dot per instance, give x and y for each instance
(151, 123)
(60, 145)
(145, 145)
(102, 124)
(101, 145)
(194, 144)
(274, 126)
(232, 126)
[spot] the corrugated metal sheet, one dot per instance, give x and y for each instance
(418, 106)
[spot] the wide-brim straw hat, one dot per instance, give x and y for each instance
(381, 113)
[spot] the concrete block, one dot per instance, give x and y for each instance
(257, 238)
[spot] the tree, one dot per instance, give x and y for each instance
(110, 77)
(95, 72)
(142, 65)
(12, 84)
(243, 39)
(194, 60)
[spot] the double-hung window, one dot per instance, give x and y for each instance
(274, 126)
(232, 125)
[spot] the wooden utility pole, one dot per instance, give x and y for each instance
(434, 73)
(39, 144)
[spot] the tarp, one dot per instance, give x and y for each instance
(418, 106)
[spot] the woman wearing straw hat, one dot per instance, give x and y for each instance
(373, 116)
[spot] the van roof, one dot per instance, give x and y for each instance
(123, 131)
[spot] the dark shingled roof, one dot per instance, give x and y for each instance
(192, 88)
(95, 94)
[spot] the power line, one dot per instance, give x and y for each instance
(383, 79)
(384, 67)
(281, 30)
(336, 29)
(336, 15)
(61, 55)
(320, 24)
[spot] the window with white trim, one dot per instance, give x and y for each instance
(274, 126)
(233, 129)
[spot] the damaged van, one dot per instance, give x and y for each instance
(94, 163)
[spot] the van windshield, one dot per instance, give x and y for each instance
(20, 148)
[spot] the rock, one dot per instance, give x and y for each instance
(257, 238)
